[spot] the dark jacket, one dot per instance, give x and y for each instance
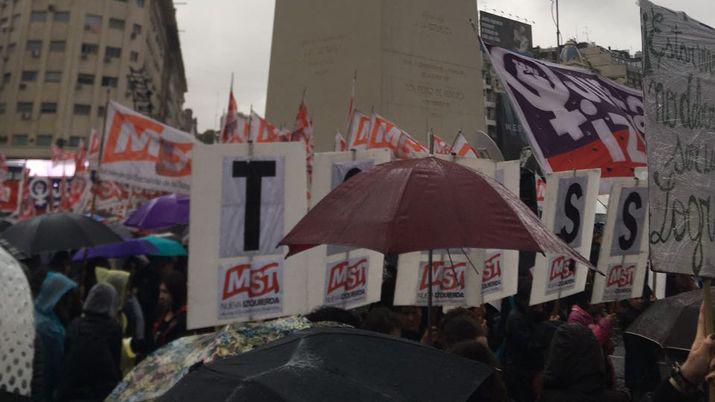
(575, 369)
(93, 350)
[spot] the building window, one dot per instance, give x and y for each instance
(62, 16)
(34, 45)
(10, 48)
(6, 78)
(116, 23)
(57, 46)
(93, 23)
(82, 110)
(74, 141)
(53, 76)
(29, 76)
(90, 48)
(112, 52)
(19, 140)
(110, 81)
(140, 3)
(2, 108)
(38, 16)
(48, 107)
(44, 140)
(24, 107)
(87, 79)
(136, 29)
(15, 21)
(122, 1)
(134, 56)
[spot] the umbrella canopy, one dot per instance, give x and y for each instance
(671, 322)
(160, 213)
(165, 247)
(331, 364)
(161, 370)
(61, 231)
(17, 328)
(424, 204)
(118, 250)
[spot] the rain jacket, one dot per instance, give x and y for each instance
(94, 341)
(50, 330)
(575, 369)
(601, 329)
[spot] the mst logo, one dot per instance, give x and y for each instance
(251, 282)
(492, 268)
(562, 268)
(445, 278)
(621, 276)
(348, 275)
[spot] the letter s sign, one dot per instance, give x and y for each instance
(630, 218)
(570, 207)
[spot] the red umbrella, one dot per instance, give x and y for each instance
(424, 204)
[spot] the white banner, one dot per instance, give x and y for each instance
(624, 247)
(679, 84)
(570, 212)
(350, 277)
(145, 153)
(241, 207)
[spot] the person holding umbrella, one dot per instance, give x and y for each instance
(50, 319)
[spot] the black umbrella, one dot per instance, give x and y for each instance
(335, 364)
(671, 322)
(54, 232)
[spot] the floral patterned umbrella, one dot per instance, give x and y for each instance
(161, 370)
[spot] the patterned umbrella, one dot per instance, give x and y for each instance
(164, 368)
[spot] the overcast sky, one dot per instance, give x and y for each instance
(219, 37)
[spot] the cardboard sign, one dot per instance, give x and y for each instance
(145, 153)
(455, 282)
(242, 204)
(569, 211)
(351, 277)
(679, 102)
(624, 247)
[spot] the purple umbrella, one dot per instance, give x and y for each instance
(161, 213)
(116, 250)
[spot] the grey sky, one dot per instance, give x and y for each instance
(219, 37)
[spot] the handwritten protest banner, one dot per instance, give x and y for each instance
(679, 86)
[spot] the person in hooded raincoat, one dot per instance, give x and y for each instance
(575, 369)
(94, 342)
(50, 329)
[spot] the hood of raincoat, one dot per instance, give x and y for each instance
(119, 280)
(53, 288)
(101, 300)
(575, 361)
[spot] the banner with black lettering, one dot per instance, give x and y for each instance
(244, 199)
(349, 277)
(679, 85)
(457, 278)
(624, 246)
(570, 212)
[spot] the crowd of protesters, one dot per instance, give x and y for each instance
(95, 321)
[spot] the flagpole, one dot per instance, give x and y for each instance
(351, 108)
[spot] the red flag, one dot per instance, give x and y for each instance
(80, 160)
(27, 206)
(262, 130)
(462, 148)
(341, 145)
(304, 132)
(94, 144)
(359, 130)
(440, 145)
(385, 134)
(59, 154)
(230, 131)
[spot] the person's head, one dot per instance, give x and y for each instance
(461, 328)
(172, 291)
(493, 389)
(575, 359)
(334, 314)
(53, 295)
(102, 300)
(411, 317)
(382, 320)
(61, 262)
